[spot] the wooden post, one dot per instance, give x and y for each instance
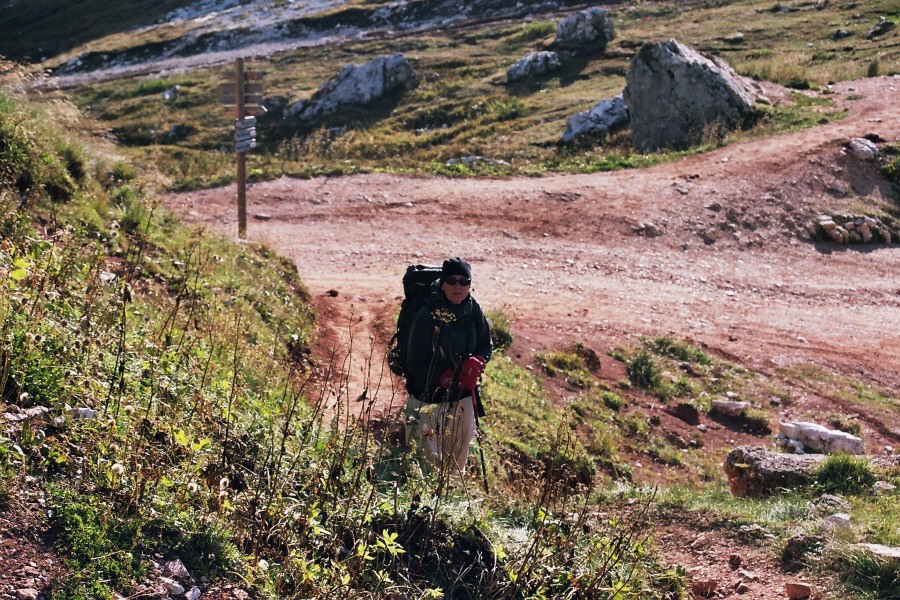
(241, 162)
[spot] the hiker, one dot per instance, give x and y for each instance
(449, 345)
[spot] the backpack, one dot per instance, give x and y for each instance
(416, 283)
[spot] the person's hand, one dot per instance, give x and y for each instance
(446, 379)
(470, 372)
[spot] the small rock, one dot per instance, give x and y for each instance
(27, 594)
(176, 569)
(742, 588)
(704, 588)
(863, 149)
(732, 408)
(884, 487)
(836, 522)
(173, 587)
(797, 591)
(734, 561)
(193, 594)
(88, 414)
(891, 553)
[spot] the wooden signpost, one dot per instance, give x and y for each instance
(242, 96)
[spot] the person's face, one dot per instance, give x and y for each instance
(456, 288)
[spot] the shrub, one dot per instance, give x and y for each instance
(679, 350)
(612, 400)
(569, 364)
(643, 371)
(501, 336)
(845, 474)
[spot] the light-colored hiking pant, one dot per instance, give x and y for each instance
(443, 431)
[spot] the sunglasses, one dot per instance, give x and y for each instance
(463, 281)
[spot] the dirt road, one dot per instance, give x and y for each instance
(574, 257)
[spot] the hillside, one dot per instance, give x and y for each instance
(173, 394)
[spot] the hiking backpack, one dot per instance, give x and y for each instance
(416, 282)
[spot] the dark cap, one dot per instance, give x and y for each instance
(455, 266)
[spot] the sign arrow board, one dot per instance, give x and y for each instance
(245, 123)
(241, 135)
(248, 75)
(244, 146)
(231, 110)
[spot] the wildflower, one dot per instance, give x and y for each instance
(118, 468)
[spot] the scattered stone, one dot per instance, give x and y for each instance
(193, 593)
(262, 217)
(176, 569)
(881, 28)
(827, 503)
(884, 487)
(840, 34)
(820, 438)
(705, 588)
(742, 588)
(797, 591)
(87, 414)
(837, 189)
(357, 85)
(590, 29)
(647, 229)
(731, 408)
(889, 553)
(27, 594)
(836, 522)
(171, 586)
(532, 65)
(862, 149)
(676, 96)
(606, 117)
(734, 38)
(14, 413)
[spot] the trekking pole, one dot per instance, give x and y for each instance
(480, 435)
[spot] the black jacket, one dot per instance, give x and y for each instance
(443, 335)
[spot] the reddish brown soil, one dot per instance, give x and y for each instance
(566, 258)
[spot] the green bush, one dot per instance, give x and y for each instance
(501, 335)
(845, 474)
(643, 371)
(665, 346)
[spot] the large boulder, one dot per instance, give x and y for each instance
(677, 96)
(759, 472)
(819, 438)
(533, 65)
(357, 85)
(607, 116)
(589, 29)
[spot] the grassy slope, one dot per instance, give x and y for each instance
(39, 29)
(464, 105)
(208, 442)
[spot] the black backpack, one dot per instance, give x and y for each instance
(416, 282)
